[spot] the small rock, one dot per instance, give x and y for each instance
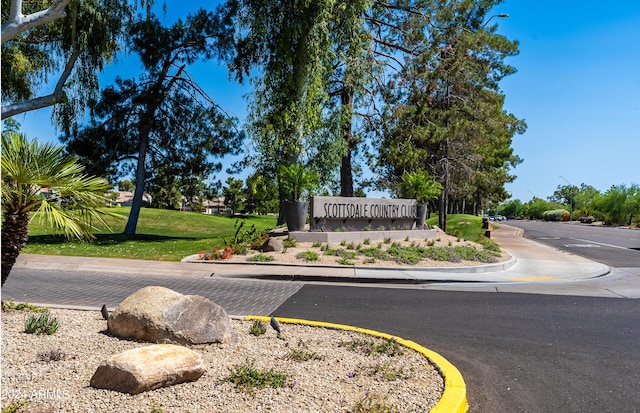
(148, 368)
(272, 244)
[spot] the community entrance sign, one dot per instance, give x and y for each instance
(330, 213)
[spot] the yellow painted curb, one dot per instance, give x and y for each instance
(454, 397)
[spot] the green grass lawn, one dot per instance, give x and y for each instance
(464, 226)
(161, 235)
(468, 227)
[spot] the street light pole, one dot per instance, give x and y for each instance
(500, 15)
(570, 197)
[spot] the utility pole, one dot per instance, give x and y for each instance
(570, 197)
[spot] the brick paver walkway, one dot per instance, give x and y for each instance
(92, 289)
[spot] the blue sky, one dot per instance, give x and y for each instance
(577, 87)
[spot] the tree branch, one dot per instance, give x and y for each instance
(19, 23)
(391, 45)
(379, 23)
(389, 57)
(58, 94)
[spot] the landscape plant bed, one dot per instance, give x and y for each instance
(307, 369)
(359, 236)
(440, 251)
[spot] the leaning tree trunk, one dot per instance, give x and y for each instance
(15, 233)
(346, 168)
(136, 204)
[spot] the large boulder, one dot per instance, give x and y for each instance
(161, 315)
(148, 368)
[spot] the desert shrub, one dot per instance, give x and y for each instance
(247, 377)
(289, 242)
(216, 254)
(44, 324)
(245, 238)
(11, 305)
(17, 407)
(387, 346)
(257, 328)
(51, 355)
(260, 258)
(555, 215)
(345, 261)
(307, 255)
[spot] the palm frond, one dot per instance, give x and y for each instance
(74, 204)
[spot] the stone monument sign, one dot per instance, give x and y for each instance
(329, 213)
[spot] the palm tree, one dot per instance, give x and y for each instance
(71, 208)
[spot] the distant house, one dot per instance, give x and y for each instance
(47, 192)
(125, 198)
(215, 207)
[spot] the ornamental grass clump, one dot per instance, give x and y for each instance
(44, 324)
(384, 372)
(258, 328)
(345, 261)
(261, 258)
(375, 253)
(405, 255)
(289, 242)
(388, 346)
(307, 256)
(347, 255)
(247, 377)
(302, 354)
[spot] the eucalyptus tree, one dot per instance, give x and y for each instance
(621, 204)
(445, 109)
(368, 38)
(287, 43)
(586, 199)
(319, 66)
(70, 41)
(72, 206)
(163, 117)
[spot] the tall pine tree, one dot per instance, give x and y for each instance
(445, 109)
(163, 119)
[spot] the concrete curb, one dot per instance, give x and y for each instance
(454, 397)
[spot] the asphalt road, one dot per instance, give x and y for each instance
(616, 247)
(517, 352)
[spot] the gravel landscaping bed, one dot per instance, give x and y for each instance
(354, 253)
(346, 371)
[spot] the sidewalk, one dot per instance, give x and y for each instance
(530, 262)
